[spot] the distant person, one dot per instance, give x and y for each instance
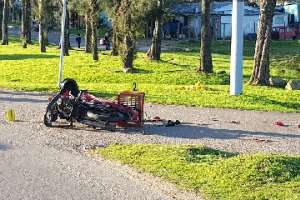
(107, 41)
(78, 40)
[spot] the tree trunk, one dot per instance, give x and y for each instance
(114, 41)
(206, 65)
(5, 22)
(94, 41)
(128, 48)
(129, 54)
(155, 49)
(29, 21)
(1, 18)
(88, 31)
(94, 20)
(24, 25)
(261, 70)
(42, 26)
(67, 35)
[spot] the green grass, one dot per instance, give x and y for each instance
(171, 81)
(216, 174)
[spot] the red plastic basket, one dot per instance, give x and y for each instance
(134, 100)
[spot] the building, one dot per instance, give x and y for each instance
(186, 23)
(293, 10)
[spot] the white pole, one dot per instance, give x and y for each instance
(62, 42)
(237, 46)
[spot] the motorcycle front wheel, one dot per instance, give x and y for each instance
(51, 114)
(49, 118)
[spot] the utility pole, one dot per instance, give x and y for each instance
(62, 42)
(237, 47)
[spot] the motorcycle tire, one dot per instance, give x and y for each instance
(49, 118)
(111, 127)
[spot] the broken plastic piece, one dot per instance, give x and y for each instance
(279, 123)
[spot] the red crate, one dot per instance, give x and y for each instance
(134, 100)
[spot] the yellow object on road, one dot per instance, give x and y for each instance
(10, 115)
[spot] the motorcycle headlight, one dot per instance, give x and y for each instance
(59, 101)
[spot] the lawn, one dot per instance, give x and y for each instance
(212, 173)
(171, 81)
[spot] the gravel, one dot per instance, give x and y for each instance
(225, 129)
(27, 147)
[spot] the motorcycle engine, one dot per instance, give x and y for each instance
(65, 106)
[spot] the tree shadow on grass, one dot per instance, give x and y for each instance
(206, 155)
(26, 56)
(106, 95)
(137, 71)
(175, 64)
(266, 101)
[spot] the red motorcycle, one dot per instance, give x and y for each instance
(74, 105)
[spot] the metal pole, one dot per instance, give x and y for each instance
(62, 42)
(237, 46)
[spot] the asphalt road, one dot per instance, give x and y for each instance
(53, 36)
(41, 172)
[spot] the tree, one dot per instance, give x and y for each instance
(115, 40)
(112, 8)
(206, 65)
(5, 22)
(29, 21)
(157, 10)
(261, 70)
(127, 35)
(88, 30)
(1, 17)
(67, 44)
(93, 4)
(42, 25)
(82, 8)
(26, 21)
(155, 49)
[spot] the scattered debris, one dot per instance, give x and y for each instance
(279, 123)
(258, 140)
(235, 122)
(10, 115)
(214, 119)
(172, 123)
(156, 119)
(163, 122)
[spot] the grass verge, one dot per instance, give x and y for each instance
(214, 173)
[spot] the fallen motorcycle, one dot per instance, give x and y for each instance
(74, 105)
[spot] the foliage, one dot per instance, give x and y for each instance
(170, 81)
(214, 173)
